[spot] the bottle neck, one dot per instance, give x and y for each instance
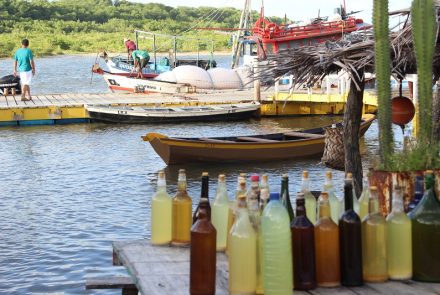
(222, 190)
(429, 182)
(419, 186)
(324, 209)
(373, 204)
(205, 188)
(181, 185)
(203, 212)
(284, 187)
(348, 195)
(300, 207)
(397, 201)
(305, 187)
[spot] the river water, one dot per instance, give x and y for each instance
(68, 191)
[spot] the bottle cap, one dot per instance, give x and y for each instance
(205, 174)
(349, 175)
(285, 175)
(182, 171)
(429, 172)
(243, 175)
(373, 188)
(221, 177)
(161, 174)
(242, 201)
(255, 178)
(306, 174)
(274, 196)
(264, 177)
(328, 174)
(324, 195)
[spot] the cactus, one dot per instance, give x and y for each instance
(424, 32)
(383, 74)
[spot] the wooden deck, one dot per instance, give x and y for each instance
(165, 270)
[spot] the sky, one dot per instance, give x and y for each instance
(295, 10)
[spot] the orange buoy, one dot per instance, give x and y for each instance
(402, 110)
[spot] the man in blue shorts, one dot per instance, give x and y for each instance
(24, 59)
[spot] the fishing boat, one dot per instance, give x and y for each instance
(140, 114)
(253, 148)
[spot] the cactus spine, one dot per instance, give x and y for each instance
(383, 74)
(424, 34)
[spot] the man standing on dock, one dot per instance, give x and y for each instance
(24, 58)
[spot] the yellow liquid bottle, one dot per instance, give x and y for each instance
(374, 248)
(182, 213)
(241, 190)
(363, 201)
(220, 213)
(334, 201)
(399, 244)
(242, 253)
(161, 214)
(309, 198)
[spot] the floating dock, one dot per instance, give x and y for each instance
(70, 108)
(165, 270)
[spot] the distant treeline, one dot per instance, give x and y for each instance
(73, 26)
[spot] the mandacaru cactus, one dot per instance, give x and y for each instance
(424, 32)
(383, 74)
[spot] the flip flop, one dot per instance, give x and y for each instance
(24, 99)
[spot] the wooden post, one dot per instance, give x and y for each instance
(257, 84)
(352, 123)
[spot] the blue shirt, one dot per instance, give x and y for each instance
(23, 56)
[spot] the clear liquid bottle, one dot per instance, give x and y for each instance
(220, 213)
(264, 183)
(355, 199)
(425, 219)
(350, 241)
(203, 260)
(399, 244)
(278, 277)
(285, 197)
(241, 190)
(303, 248)
(328, 273)
(334, 201)
(161, 213)
(253, 200)
(418, 193)
(182, 213)
(264, 199)
(374, 248)
(308, 197)
(204, 194)
(363, 200)
(242, 253)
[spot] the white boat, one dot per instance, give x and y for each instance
(140, 114)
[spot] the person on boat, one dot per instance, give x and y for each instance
(130, 45)
(24, 59)
(141, 58)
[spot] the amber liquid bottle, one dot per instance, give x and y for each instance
(202, 267)
(285, 197)
(350, 240)
(328, 272)
(182, 211)
(203, 195)
(303, 248)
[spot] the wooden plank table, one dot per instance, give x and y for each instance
(165, 270)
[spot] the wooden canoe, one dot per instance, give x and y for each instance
(141, 114)
(254, 148)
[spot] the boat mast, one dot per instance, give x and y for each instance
(245, 21)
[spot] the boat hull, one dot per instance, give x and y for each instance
(179, 151)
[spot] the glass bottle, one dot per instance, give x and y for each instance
(350, 241)
(303, 248)
(399, 249)
(328, 273)
(335, 203)
(161, 213)
(309, 198)
(418, 193)
(264, 182)
(374, 248)
(277, 256)
(220, 213)
(241, 190)
(355, 199)
(425, 220)
(182, 211)
(363, 200)
(285, 197)
(202, 268)
(242, 253)
(204, 194)
(253, 200)
(264, 199)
